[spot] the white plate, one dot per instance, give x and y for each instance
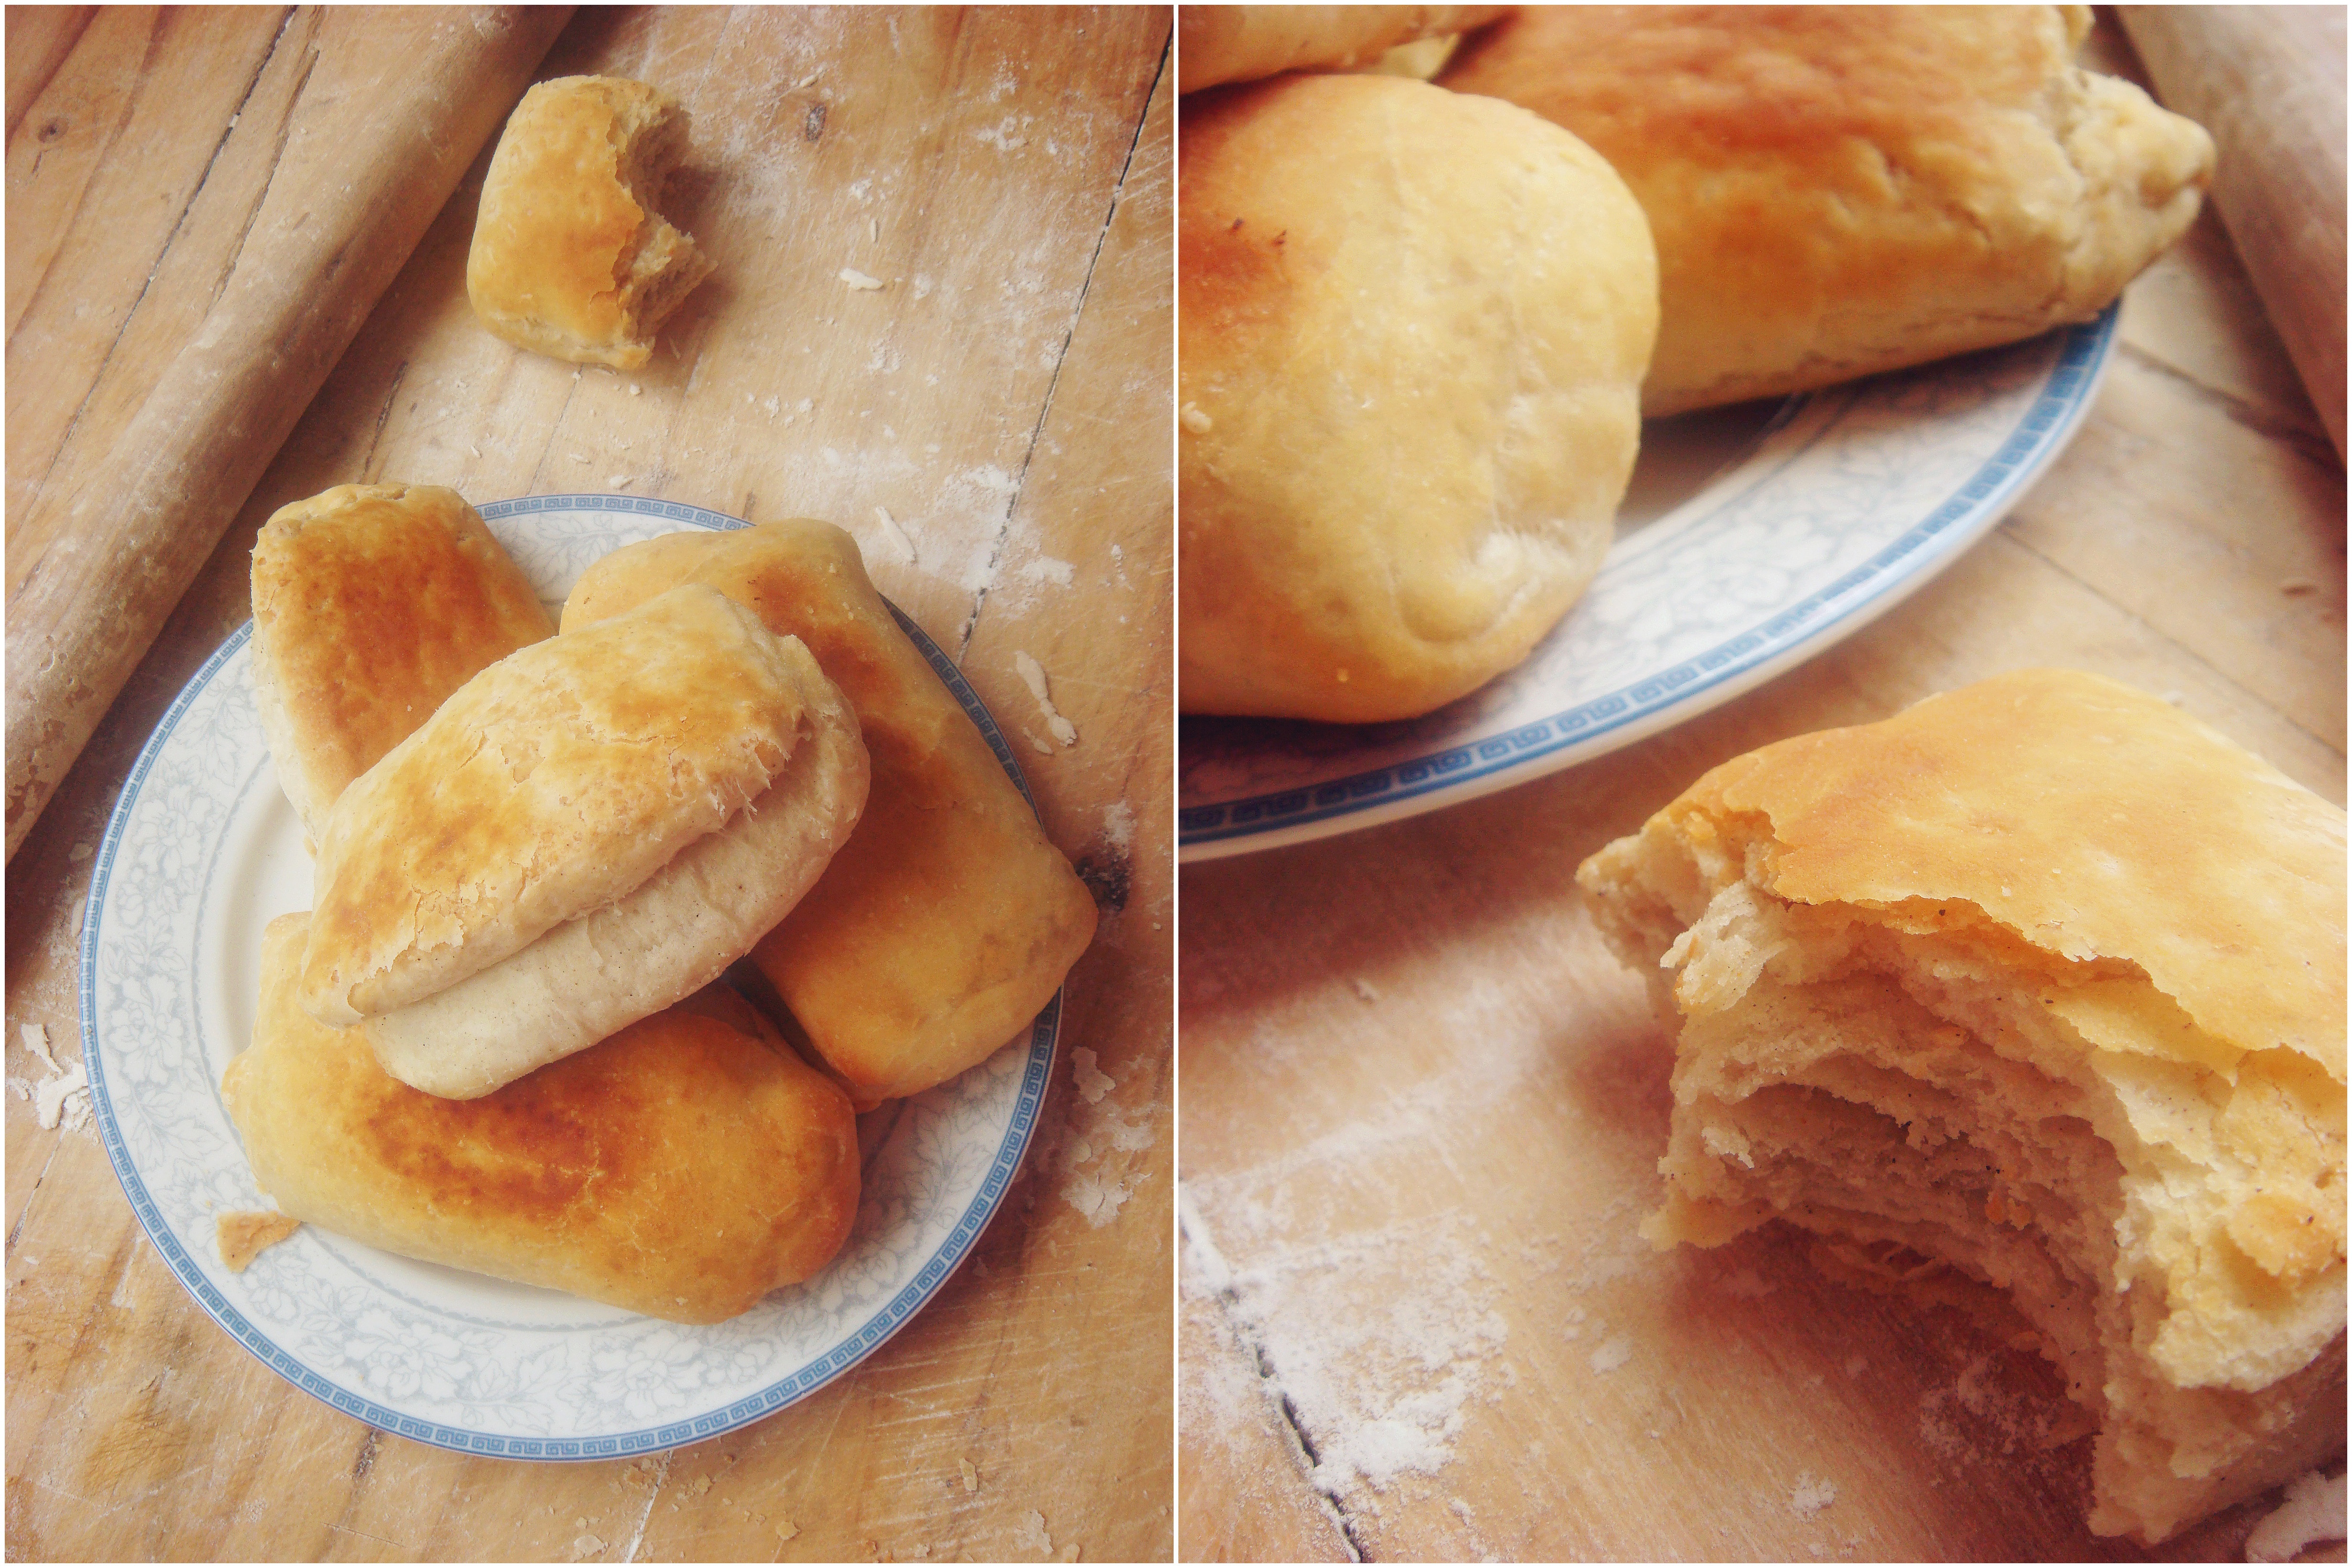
(202, 853)
(1751, 539)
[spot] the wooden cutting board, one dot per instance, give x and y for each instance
(1006, 176)
(1423, 1105)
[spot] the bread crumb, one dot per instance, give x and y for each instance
(243, 1233)
(1811, 1496)
(895, 536)
(620, 481)
(78, 852)
(1364, 989)
(787, 1530)
(1092, 1081)
(1195, 420)
(1034, 673)
(2312, 1511)
(50, 1095)
(635, 391)
(857, 279)
(1029, 1535)
(587, 1545)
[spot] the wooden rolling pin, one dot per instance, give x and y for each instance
(397, 103)
(2268, 82)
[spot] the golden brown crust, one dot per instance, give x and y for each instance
(1411, 334)
(550, 785)
(683, 1168)
(370, 604)
(949, 918)
(1219, 44)
(569, 258)
(1837, 191)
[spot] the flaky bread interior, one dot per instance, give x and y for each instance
(683, 1168)
(370, 604)
(1837, 191)
(570, 256)
(949, 918)
(585, 833)
(1914, 1016)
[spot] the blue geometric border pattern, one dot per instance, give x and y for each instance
(1790, 630)
(853, 1347)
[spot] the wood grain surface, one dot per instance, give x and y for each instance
(1423, 1105)
(1007, 176)
(346, 129)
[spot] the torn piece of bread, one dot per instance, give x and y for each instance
(1219, 44)
(949, 918)
(370, 604)
(244, 1235)
(1412, 330)
(568, 256)
(2041, 981)
(585, 831)
(683, 1168)
(1840, 190)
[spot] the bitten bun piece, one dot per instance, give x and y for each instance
(370, 604)
(1219, 44)
(683, 1168)
(1841, 189)
(570, 258)
(949, 918)
(2044, 982)
(587, 831)
(1413, 330)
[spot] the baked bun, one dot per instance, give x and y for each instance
(1410, 344)
(2043, 983)
(1219, 44)
(370, 604)
(570, 258)
(683, 1168)
(587, 831)
(949, 918)
(1840, 190)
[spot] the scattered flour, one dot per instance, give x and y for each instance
(1118, 825)
(1033, 674)
(901, 548)
(1091, 1080)
(2314, 1510)
(1045, 569)
(63, 1096)
(1611, 1354)
(1811, 1496)
(1029, 1535)
(1379, 1340)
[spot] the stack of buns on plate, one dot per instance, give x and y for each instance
(501, 1038)
(1419, 324)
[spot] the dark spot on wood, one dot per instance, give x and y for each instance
(1107, 878)
(53, 130)
(1280, 237)
(813, 126)
(1237, 228)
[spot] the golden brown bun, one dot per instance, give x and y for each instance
(1219, 44)
(1840, 190)
(1412, 330)
(949, 918)
(587, 831)
(683, 1168)
(370, 604)
(2044, 982)
(568, 256)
